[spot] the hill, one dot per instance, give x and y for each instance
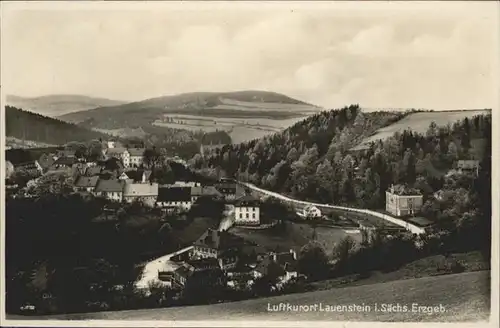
(419, 122)
(56, 105)
(465, 297)
(201, 111)
(25, 125)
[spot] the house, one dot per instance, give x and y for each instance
(247, 211)
(230, 190)
(136, 176)
(174, 198)
(31, 167)
(402, 201)
(135, 157)
(281, 266)
(66, 153)
(147, 193)
(186, 184)
(110, 189)
(311, 212)
(64, 162)
(84, 183)
(468, 166)
(221, 245)
(93, 171)
(198, 273)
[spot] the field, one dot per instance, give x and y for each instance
(263, 106)
(419, 122)
(465, 297)
(294, 236)
(240, 129)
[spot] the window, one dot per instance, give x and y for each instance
(253, 215)
(241, 216)
(247, 215)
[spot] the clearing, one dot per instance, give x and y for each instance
(419, 122)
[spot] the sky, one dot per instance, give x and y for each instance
(379, 55)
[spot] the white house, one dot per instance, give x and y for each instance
(110, 189)
(311, 211)
(401, 201)
(147, 193)
(135, 156)
(247, 211)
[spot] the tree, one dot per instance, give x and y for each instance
(343, 250)
(313, 261)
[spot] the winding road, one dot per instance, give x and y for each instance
(408, 226)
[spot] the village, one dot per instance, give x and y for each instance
(218, 256)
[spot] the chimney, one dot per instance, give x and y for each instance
(294, 254)
(273, 256)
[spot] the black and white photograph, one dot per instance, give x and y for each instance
(249, 164)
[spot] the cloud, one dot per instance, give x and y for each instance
(327, 58)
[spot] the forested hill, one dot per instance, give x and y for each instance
(312, 160)
(30, 126)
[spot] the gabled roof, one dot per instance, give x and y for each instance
(211, 191)
(112, 185)
(27, 165)
(402, 190)
(136, 151)
(136, 175)
(220, 240)
(174, 194)
(65, 160)
(140, 189)
(92, 171)
(116, 151)
(86, 182)
(247, 201)
(204, 264)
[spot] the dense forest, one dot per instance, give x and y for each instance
(312, 161)
(30, 126)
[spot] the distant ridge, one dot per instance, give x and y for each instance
(145, 112)
(56, 105)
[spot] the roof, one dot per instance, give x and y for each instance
(65, 160)
(211, 191)
(183, 271)
(91, 171)
(220, 240)
(196, 191)
(140, 189)
(112, 185)
(66, 153)
(136, 175)
(136, 151)
(226, 188)
(420, 221)
(174, 194)
(247, 201)
(116, 151)
(87, 182)
(204, 264)
(310, 207)
(268, 266)
(402, 190)
(27, 165)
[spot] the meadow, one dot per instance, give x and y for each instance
(419, 122)
(295, 236)
(240, 129)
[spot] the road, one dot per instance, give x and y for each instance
(464, 297)
(411, 227)
(228, 218)
(150, 271)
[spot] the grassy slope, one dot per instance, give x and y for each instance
(465, 297)
(56, 105)
(419, 122)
